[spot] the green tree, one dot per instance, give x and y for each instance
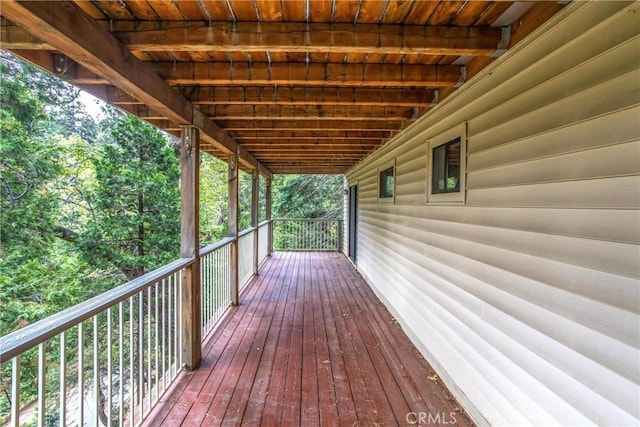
(136, 201)
(39, 273)
(29, 209)
(214, 208)
(84, 206)
(244, 200)
(307, 196)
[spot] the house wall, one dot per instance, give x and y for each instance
(526, 297)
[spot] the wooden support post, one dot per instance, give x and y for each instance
(190, 246)
(268, 215)
(255, 198)
(234, 220)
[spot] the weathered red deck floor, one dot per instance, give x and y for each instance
(310, 344)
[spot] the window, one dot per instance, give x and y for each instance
(446, 168)
(446, 161)
(386, 182)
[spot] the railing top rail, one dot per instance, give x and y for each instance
(21, 340)
(263, 223)
(308, 219)
(217, 245)
(246, 231)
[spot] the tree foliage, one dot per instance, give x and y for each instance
(213, 199)
(307, 196)
(87, 204)
(136, 202)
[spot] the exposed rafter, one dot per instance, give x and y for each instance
(270, 95)
(324, 112)
(317, 37)
(329, 74)
(309, 124)
(278, 112)
(76, 35)
(290, 37)
(302, 87)
(284, 135)
(288, 95)
(352, 76)
(277, 142)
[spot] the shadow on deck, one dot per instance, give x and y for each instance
(310, 344)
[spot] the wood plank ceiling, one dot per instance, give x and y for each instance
(298, 86)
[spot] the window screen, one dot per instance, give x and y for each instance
(446, 168)
(386, 183)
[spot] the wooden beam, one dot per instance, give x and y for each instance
(319, 157)
(261, 152)
(302, 151)
(341, 162)
(288, 37)
(316, 37)
(309, 125)
(190, 246)
(68, 69)
(336, 75)
(338, 170)
(310, 161)
(66, 28)
(70, 31)
(276, 143)
(386, 78)
(312, 169)
(269, 95)
(324, 112)
(15, 37)
(329, 74)
(249, 136)
(315, 151)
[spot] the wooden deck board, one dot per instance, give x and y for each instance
(311, 345)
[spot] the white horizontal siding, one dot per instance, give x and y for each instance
(593, 133)
(618, 93)
(506, 344)
(591, 193)
(623, 159)
(526, 298)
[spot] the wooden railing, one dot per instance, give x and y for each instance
(109, 360)
(106, 361)
(246, 259)
(264, 230)
(307, 235)
(215, 281)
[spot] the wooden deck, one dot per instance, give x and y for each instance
(310, 344)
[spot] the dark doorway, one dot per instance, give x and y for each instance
(353, 221)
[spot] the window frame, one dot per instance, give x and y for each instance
(447, 137)
(382, 168)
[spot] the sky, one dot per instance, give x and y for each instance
(93, 104)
